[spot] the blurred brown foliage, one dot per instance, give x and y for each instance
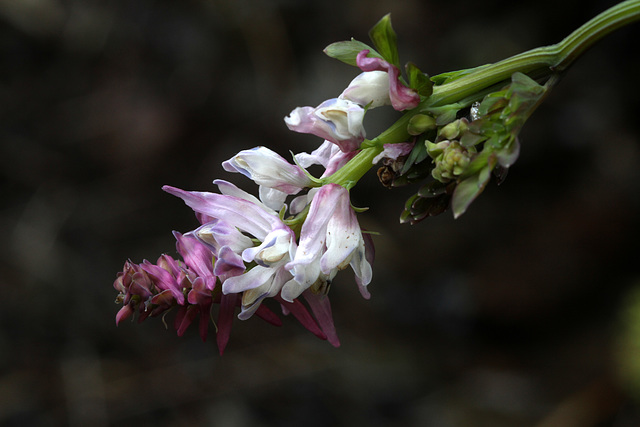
(505, 317)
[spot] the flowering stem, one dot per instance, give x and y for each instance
(348, 175)
(539, 63)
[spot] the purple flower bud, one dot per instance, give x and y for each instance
(402, 97)
(394, 151)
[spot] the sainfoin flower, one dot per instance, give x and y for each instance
(401, 97)
(244, 252)
(337, 120)
(188, 287)
(330, 240)
(370, 88)
(266, 260)
(267, 168)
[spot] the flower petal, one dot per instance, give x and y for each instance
(243, 214)
(321, 308)
(369, 88)
(228, 264)
(269, 169)
(393, 151)
(272, 198)
(276, 246)
(217, 234)
(196, 255)
(402, 97)
(225, 319)
(300, 312)
(253, 278)
(336, 120)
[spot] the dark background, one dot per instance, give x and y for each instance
(516, 314)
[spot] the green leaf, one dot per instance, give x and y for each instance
(417, 155)
(447, 116)
(509, 153)
(418, 80)
(467, 191)
(347, 51)
(418, 208)
(492, 102)
(523, 83)
(478, 163)
(470, 138)
(432, 189)
(385, 40)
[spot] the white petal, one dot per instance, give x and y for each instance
(251, 279)
(369, 88)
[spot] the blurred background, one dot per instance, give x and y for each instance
(524, 312)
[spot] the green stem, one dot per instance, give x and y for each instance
(545, 60)
(542, 62)
(350, 174)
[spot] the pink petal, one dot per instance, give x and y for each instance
(321, 308)
(300, 312)
(225, 319)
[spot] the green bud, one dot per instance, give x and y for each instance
(454, 129)
(436, 149)
(420, 123)
(452, 161)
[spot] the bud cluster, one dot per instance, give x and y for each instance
(449, 156)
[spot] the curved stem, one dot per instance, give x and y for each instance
(542, 62)
(547, 59)
(350, 174)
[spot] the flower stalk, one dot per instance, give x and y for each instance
(456, 131)
(540, 63)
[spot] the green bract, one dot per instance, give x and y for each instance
(385, 40)
(418, 80)
(501, 116)
(347, 51)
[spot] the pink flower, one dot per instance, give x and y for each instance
(245, 213)
(153, 294)
(336, 120)
(401, 96)
(267, 168)
(330, 240)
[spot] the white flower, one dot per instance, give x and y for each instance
(236, 209)
(267, 168)
(369, 88)
(330, 240)
(336, 120)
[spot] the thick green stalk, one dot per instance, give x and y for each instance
(350, 174)
(548, 59)
(539, 63)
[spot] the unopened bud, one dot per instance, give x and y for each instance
(454, 129)
(421, 123)
(452, 161)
